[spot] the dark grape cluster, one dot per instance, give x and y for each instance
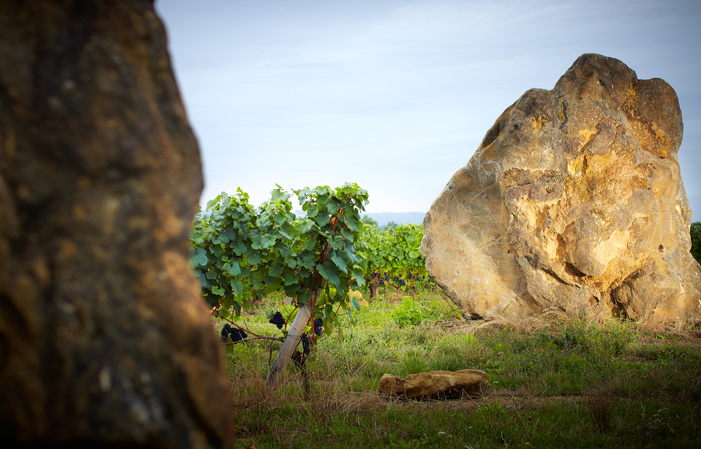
(235, 333)
(306, 343)
(401, 281)
(278, 320)
(307, 339)
(383, 279)
(318, 326)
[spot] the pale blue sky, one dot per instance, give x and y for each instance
(397, 95)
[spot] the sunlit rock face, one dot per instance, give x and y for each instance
(573, 200)
(105, 340)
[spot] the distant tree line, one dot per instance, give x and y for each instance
(388, 227)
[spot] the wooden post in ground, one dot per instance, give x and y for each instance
(288, 347)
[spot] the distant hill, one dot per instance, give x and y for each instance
(382, 218)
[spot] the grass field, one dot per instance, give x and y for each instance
(554, 383)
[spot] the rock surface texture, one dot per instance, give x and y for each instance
(104, 338)
(436, 384)
(573, 200)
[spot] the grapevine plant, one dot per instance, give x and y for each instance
(393, 257)
(240, 252)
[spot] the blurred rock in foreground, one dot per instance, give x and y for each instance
(104, 339)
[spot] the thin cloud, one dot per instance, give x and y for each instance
(397, 95)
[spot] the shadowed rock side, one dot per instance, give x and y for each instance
(574, 200)
(104, 338)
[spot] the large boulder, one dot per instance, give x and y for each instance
(105, 340)
(573, 200)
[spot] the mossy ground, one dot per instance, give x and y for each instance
(554, 383)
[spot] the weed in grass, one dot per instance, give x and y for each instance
(414, 362)
(599, 340)
(454, 352)
(659, 423)
(409, 313)
(600, 405)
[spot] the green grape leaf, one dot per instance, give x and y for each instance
(338, 260)
(237, 307)
(290, 278)
(305, 225)
(238, 247)
(291, 262)
(237, 286)
(228, 235)
(279, 195)
(328, 272)
(287, 230)
(337, 242)
(312, 210)
(323, 218)
(262, 242)
(254, 257)
(200, 259)
(310, 243)
(233, 268)
(275, 270)
(305, 297)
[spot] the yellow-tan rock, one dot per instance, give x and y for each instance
(573, 200)
(436, 384)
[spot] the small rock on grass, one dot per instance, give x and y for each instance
(436, 384)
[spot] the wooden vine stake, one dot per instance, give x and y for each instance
(288, 347)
